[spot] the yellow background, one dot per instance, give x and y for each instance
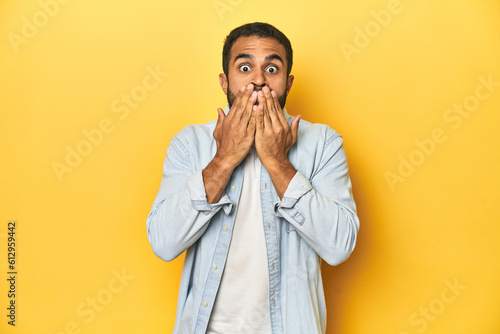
(438, 225)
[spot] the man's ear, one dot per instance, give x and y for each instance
(223, 82)
(289, 83)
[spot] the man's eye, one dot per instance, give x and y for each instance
(245, 68)
(272, 69)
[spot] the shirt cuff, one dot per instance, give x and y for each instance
(196, 189)
(298, 187)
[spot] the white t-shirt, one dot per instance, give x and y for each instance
(242, 302)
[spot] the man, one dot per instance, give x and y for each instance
(256, 199)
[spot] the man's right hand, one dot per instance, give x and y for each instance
(234, 135)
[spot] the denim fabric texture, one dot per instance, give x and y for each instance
(316, 219)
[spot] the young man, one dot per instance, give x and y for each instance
(257, 198)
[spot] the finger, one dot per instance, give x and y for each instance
(271, 107)
(266, 119)
(252, 122)
(220, 119)
(259, 118)
(236, 102)
(242, 107)
(261, 98)
(245, 117)
(262, 104)
(295, 128)
(279, 114)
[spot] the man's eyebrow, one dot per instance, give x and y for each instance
(249, 56)
(244, 56)
(275, 56)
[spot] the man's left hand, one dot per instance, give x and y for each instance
(274, 138)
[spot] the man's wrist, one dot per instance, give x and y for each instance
(215, 178)
(278, 165)
(281, 172)
(221, 165)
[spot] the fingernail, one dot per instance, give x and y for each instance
(242, 89)
(261, 94)
(254, 93)
(249, 86)
(273, 93)
(265, 89)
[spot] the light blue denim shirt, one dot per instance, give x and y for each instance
(315, 219)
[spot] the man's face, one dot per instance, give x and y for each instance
(257, 61)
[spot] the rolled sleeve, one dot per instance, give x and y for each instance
(298, 187)
(198, 195)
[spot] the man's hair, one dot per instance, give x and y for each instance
(261, 30)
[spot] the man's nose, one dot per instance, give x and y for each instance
(258, 80)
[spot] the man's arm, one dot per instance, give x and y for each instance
(234, 135)
(274, 138)
(322, 209)
(187, 201)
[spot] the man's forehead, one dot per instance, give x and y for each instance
(253, 45)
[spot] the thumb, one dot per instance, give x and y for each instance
(221, 114)
(295, 127)
(220, 118)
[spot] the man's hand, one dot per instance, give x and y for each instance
(234, 135)
(274, 138)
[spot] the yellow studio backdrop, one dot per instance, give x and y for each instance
(91, 92)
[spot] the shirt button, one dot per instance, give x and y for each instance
(204, 304)
(214, 266)
(225, 228)
(233, 188)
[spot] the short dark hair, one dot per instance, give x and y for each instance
(261, 30)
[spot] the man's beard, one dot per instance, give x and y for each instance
(281, 99)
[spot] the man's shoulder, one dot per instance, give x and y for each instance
(317, 132)
(196, 132)
(316, 145)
